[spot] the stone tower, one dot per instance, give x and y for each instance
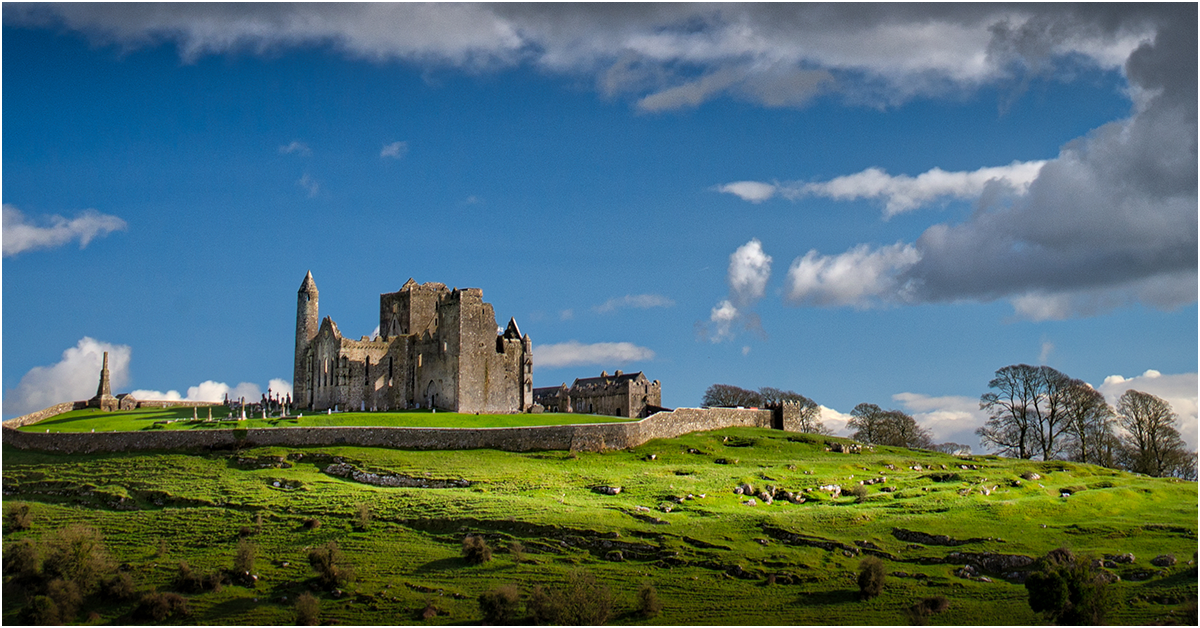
(104, 398)
(307, 325)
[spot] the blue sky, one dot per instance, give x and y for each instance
(881, 204)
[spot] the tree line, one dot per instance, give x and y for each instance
(1040, 412)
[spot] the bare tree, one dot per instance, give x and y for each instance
(1152, 444)
(866, 419)
(724, 395)
(954, 449)
(887, 427)
(1090, 421)
(1028, 414)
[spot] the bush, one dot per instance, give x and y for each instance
(67, 598)
(517, 551)
(42, 611)
(918, 614)
(870, 577)
(311, 524)
(858, 491)
(308, 610)
(500, 605)
(77, 553)
(475, 549)
(331, 566)
(243, 561)
(160, 606)
(188, 581)
(18, 518)
(648, 603)
(23, 561)
(582, 602)
(362, 516)
(1067, 590)
(119, 587)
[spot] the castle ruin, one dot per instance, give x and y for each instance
(437, 348)
(620, 394)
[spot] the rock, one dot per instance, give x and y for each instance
(615, 556)
(751, 502)
(737, 490)
(1123, 559)
(1030, 475)
(1163, 560)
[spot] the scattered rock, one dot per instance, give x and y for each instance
(608, 490)
(1122, 559)
(1163, 560)
(751, 502)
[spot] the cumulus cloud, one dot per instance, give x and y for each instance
(296, 147)
(664, 56)
(753, 191)
(395, 150)
(949, 419)
(1179, 390)
(637, 301)
(835, 421)
(1110, 221)
(749, 270)
(860, 277)
(573, 353)
(73, 378)
(205, 391)
(23, 234)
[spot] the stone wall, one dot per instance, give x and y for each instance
(588, 437)
(46, 413)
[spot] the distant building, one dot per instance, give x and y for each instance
(619, 394)
(437, 348)
(104, 398)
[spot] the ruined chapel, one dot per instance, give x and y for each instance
(437, 348)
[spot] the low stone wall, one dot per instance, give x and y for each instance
(46, 413)
(588, 437)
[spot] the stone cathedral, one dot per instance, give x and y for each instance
(436, 348)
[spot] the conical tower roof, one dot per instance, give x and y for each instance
(308, 285)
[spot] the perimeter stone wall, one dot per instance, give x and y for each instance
(589, 437)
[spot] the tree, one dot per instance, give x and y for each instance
(1151, 442)
(1089, 423)
(871, 574)
(1027, 412)
(1068, 590)
(724, 395)
(954, 449)
(887, 427)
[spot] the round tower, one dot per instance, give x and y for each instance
(307, 324)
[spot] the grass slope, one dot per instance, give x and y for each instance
(709, 557)
(92, 419)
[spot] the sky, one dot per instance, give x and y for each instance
(861, 203)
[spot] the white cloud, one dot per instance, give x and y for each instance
(1179, 390)
(902, 193)
(1047, 349)
(297, 147)
(309, 185)
(835, 421)
(860, 277)
(753, 191)
(73, 378)
(280, 387)
(567, 314)
(395, 150)
(749, 270)
(637, 301)
(574, 353)
(952, 419)
(23, 234)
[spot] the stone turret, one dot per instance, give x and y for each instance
(307, 325)
(104, 398)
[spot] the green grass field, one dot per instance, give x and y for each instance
(92, 419)
(711, 557)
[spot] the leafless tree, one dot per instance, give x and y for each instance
(1028, 414)
(1152, 444)
(724, 395)
(1090, 421)
(887, 427)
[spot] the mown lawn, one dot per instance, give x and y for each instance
(677, 523)
(88, 420)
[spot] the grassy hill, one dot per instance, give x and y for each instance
(677, 523)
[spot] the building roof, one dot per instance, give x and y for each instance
(605, 378)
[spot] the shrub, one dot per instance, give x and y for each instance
(331, 566)
(258, 523)
(160, 606)
(42, 611)
(77, 553)
(362, 516)
(23, 561)
(119, 587)
(308, 610)
(648, 603)
(311, 524)
(18, 518)
(245, 531)
(500, 605)
(517, 551)
(67, 598)
(188, 581)
(581, 602)
(1068, 590)
(243, 561)
(475, 549)
(918, 614)
(858, 491)
(870, 577)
